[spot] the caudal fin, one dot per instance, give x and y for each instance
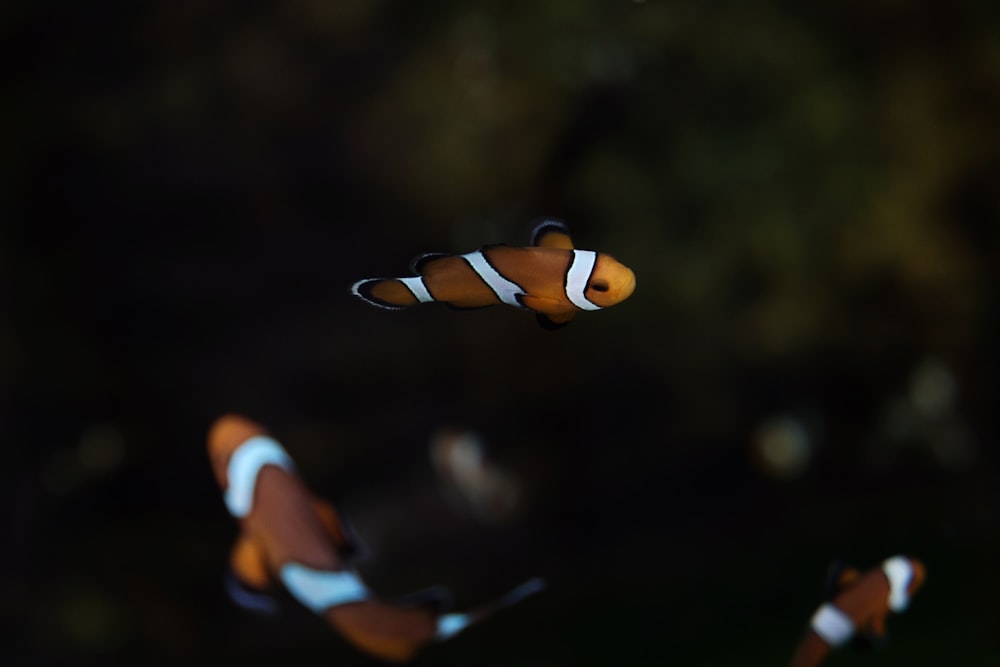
(509, 599)
(449, 625)
(388, 293)
(525, 590)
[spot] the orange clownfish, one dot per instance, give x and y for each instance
(288, 535)
(858, 607)
(550, 277)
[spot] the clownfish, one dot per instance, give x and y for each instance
(551, 278)
(858, 607)
(288, 535)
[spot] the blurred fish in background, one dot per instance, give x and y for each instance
(288, 535)
(858, 607)
(925, 416)
(462, 463)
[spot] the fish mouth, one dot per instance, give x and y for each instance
(628, 287)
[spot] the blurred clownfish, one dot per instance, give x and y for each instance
(550, 277)
(858, 607)
(288, 535)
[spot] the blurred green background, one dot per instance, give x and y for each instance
(808, 369)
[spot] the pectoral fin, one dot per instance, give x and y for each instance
(876, 629)
(249, 578)
(340, 531)
(872, 634)
(249, 564)
(539, 304)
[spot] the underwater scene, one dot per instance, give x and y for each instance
(507, 334)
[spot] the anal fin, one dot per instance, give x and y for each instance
(547, 310)
(548, 323)
(435, 598)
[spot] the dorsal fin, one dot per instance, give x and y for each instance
(418, 263)
(551, 234)
(838, 574)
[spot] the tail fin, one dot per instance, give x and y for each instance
(525, 590)
(451, 624)
(393, 294)
(396, 631)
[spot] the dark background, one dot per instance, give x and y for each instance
(809, 198)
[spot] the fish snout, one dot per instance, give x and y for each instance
(627, 284)
(919, 575)
(612, 282)
(225, 436)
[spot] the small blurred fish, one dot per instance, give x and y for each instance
(550, 277)
(858, 607)
(289, 535)
(460, 460)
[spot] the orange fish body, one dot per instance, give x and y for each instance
(550, 277)
(859, 608)
(288, 535)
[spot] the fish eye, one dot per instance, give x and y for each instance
(599, 286)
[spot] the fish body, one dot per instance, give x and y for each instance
(289, 537)
(859, 606)
(550, 277)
